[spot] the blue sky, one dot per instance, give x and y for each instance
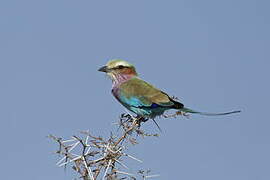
(213, 55)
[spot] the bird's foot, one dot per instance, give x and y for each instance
(126, 117)
(140, 120)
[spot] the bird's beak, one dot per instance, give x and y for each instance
(103, 69)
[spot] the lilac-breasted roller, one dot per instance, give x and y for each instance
(139, 96)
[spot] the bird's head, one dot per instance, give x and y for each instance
(119, 70)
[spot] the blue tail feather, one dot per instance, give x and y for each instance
(187, 110)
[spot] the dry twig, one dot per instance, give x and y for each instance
(92, 156)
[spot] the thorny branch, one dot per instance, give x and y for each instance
(95, 157)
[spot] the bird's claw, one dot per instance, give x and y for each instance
(139, 120)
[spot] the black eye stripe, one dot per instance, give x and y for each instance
(121, 66)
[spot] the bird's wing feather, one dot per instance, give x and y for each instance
(137, 92)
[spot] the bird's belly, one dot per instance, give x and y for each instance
(148, 113)
(134, 105)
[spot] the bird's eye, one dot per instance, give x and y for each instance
(121, 66)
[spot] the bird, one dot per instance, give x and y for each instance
(139, 96)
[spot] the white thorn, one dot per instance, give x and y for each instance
(69, 140)
(86, 140)
(97, 160)
(122, 164)
(108, 148)
(88, 169)
(87, 150)
(65, 163)
(133, 158)
(109, 164)
(152, 176)
(121, 172)
(60, 160)
(74, 145)
(76, 158)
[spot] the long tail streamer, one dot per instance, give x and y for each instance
(187, 110)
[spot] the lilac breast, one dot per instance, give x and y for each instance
(116, 93)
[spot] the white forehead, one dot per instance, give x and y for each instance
(123, 63)
(118, 62)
